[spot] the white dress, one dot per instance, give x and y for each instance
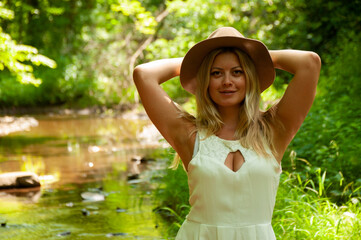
(225, 204)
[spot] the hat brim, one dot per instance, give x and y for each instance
(255, 49)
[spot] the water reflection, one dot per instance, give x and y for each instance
(87, 166)
(28, 195)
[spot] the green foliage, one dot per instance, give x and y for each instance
(144, 21)
(14, 92)
(5, 13)
(172, 193)
(14, 57)
(330, 136)
(83, 37)
(303, 212)
(309, 25)
(97, 43)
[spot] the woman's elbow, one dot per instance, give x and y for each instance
(310, 66)
(138, 73)
(315, 61)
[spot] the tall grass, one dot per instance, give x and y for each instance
(302, 210)
(172, 194)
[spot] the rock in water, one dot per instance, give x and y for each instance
(85, 212)
(90, 196)
(19, 180)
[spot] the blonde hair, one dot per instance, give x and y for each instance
(254, 127)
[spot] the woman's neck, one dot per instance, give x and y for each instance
(230, 118)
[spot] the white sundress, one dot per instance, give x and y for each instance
(226, 204)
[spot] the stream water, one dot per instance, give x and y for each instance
(94, 185)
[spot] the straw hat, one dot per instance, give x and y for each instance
(227, 37)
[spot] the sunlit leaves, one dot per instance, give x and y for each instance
(16, 57)
(5, 13)
(13, 56)
(55, 11)
(143, 19)
(39, 59)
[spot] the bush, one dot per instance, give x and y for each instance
(330, 136)
(172, 194)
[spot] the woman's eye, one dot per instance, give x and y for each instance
(215, 73)
(238, 72)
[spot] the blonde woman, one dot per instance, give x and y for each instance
(231, 150)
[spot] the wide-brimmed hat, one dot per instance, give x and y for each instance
(227, 37)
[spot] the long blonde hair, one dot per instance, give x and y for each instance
(254, 127)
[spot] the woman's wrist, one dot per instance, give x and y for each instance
(178, 64)
(274, 56)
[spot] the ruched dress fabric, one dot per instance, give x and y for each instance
(227, 204)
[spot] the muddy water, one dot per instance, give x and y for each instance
(93, 184)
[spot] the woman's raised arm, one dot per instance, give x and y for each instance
(159, 106)
(300, 93)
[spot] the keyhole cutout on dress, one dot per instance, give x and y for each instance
(234, 161)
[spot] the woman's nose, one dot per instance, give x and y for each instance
(227, 80)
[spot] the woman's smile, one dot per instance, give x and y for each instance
(227, 92)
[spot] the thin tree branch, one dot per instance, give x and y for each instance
(145, 44)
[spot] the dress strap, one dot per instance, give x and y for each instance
(196, 145)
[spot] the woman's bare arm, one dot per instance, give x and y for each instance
(160, 107)
(300, 93)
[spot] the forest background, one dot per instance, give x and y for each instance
(81, 53)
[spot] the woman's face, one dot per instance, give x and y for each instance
(227, 84)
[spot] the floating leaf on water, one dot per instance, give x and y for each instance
(64, 233)
(135, 181)
(115, 234)
(89, 196)
(119, 210)
(91, 207)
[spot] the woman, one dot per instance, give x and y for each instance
(231, 151)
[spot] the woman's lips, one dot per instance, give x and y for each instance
(227, 92)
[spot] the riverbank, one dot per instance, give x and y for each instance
(10, 124)
(22, 119)
(66, 110)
